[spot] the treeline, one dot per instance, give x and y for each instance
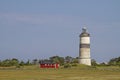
(13, 62)
(56, 59)
(112, 62)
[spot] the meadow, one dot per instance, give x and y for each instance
(74, 73)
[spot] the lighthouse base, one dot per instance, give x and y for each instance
(85, 61)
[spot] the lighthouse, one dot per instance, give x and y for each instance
(84, 48)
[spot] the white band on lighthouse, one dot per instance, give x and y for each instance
(85, 53)
(85, 40)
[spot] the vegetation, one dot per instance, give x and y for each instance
(80, 72)
(114, 61)
(13, 69)
(13, 62)
(67, 62)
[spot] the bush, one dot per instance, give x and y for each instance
(17, 66)
(67, 65)
(74, 64)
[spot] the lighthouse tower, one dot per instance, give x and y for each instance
(84, 48)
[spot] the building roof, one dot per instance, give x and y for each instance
(46, 62)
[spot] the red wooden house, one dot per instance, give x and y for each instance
(48, 64)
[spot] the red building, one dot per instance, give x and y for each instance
(48, 64)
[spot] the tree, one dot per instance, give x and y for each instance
(114, 61)
(6, 63)
(75, 60)
(21, 63)
(0, 62)
(28, 62)
(68, 59)
(57, 59)
(93, 62)
(102, 64)
(14, 62)
(35, 61)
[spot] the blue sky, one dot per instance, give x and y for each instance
(31, 29)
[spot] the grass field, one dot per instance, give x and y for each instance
(77, 73)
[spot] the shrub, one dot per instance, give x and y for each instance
(74, 64)
(67, 65)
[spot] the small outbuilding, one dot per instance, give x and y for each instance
(48, 64)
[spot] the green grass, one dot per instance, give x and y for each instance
(75, 73)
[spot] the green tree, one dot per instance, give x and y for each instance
(35, 61)
(6, 63)
(21, 63)
(93, 62)
(0, 62)
(14, 62)
(57, 59)
(114, 61)
(68, 59)
(75, 60)
(28, 63)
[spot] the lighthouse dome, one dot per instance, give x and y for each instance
(84, 33)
